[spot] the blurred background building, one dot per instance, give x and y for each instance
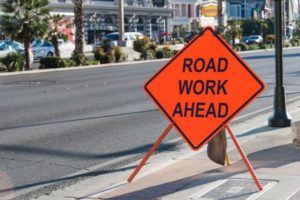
(155, 18)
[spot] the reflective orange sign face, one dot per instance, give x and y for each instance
(203, 87)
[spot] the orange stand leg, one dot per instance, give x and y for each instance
(250, 169)
(155, 145)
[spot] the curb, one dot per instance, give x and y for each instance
(265, 50)
(81, 67)
(260, 112)
(117, 64)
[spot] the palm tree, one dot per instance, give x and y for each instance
(233, 30)
(54, 33)
(220, 16)
(24, 20)
(182, 30)
(79, 34)
(263, 28)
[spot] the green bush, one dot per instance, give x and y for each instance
(242, 46)
(147, 54)
(106, 45)
(79, 59)
(109, 57)
(13, 62)
(112, 55)
(92, 62)
(168, 52)
(140, 45)
(237, 48)
(52, 62)
(152, 46)
(181, 41)
(165, 52)
(108, 54)
(295, 42)
(263, 46)
(270, 39)
(69, 63)
(159, 54)
(253, 47)
(119, 54)
(286, 44)
(99, 54)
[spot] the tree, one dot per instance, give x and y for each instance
(264, 25)
(179, 31)
(55, 33)
(250, 27)
(24, 20)
(233, 30)
(220, 16)
(79, 34)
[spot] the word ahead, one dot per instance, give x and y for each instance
(203, 87)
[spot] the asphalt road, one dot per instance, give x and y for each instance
(57, 123)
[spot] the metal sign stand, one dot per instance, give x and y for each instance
(155, 145)
(165, 133)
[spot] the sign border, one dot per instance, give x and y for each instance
(206, 140)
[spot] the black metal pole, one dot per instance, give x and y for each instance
(280, 117)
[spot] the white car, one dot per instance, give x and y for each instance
(128, 36)
(9, 46)
(42, 49)
(253, 39)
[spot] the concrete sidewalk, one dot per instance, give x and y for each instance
(180, 173)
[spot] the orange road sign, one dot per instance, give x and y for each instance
(203, 87)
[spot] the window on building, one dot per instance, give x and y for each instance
(189, 10)
(235, 11)
(176, 10)
(238, 9)
(183, 8)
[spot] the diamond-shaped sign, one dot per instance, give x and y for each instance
(203, 87)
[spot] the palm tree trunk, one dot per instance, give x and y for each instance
(220, 15)
(27, 55)
(55, 44)
(79, 34)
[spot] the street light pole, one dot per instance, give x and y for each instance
(158, 21)
(94, 20)
(133, 22)
(94, 16)
(280, 117)
(121, 22)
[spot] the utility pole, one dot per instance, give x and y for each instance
(121, 22)
(280, 117)
(94, 19)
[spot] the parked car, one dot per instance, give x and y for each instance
(9, 46)
(43, 48)
(128, 36)
(253, 39)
